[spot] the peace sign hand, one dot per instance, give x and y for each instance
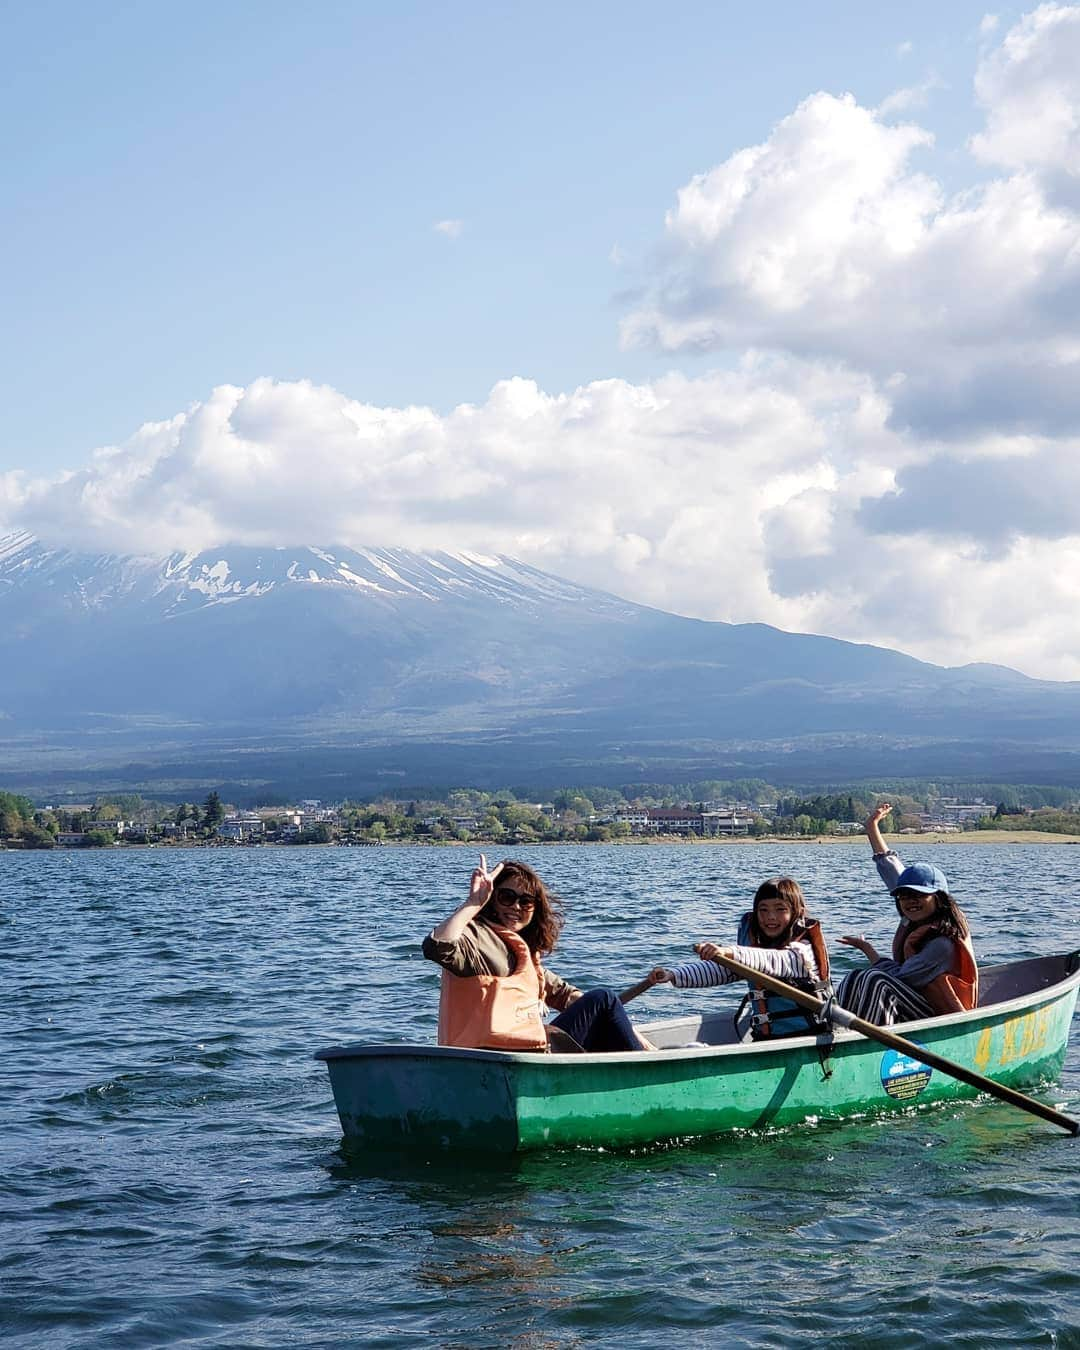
(482, 883)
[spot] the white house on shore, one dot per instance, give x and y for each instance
(660, 820)
(241, 827)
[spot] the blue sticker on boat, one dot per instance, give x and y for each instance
(903, 1077)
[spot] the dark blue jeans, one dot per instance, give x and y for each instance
(598, 1021)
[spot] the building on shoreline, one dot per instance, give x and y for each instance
(724, 820)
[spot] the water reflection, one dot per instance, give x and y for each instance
(480, 1230)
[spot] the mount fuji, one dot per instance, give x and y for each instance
(339, 669)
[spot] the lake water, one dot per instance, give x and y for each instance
(173, 1171)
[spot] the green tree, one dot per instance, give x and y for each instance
(514, 815)
(572, 803)
(187, 815)
(33, 836)
(129, 806)
(213, 812)
(15, 811)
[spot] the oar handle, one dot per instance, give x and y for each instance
(642, 986)
(875, 1033)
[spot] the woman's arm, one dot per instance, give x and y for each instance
(934, 959)
(889, 866)
(481, 885)
(873, 827)
(466, 948)
(861, 944)
(559, 993)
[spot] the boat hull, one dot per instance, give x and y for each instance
(436, 1098)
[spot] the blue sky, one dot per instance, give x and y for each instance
(755, 313)
(209, 193)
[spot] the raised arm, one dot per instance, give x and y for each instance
(873, 827)
(889, 866)
(481, 884)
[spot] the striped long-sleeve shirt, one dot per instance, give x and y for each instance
(786, 963)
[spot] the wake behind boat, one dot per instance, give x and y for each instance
(701, 1080)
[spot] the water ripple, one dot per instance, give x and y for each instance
(173, 1170)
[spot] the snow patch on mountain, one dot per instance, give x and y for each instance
(182, 582)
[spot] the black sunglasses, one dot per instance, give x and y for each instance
(507, 896)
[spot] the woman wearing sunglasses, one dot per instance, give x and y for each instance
(932, 969)
(494, 985)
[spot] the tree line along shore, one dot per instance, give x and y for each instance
(711, 811)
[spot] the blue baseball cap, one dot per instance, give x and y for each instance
(921, 877)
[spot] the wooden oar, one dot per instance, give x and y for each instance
(846, 1019)
(641, 987)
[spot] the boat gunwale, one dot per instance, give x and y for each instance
(839, 1036)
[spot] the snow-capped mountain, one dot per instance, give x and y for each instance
(248, 637)
(457, 664)
(184, 581)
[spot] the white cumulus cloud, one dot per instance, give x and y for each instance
(774, 492)
(888, 452)
(828, 240)
(1030, 89)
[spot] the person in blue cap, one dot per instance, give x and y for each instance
(932, 969)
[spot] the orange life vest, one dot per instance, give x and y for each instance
(495, 1012)
(954, 991)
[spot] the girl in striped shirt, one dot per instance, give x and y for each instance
(775, 937)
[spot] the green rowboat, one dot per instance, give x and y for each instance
(700, 1080)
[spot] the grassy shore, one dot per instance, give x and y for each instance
(900, 842)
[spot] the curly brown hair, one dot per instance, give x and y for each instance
(778, 888)
(543, 929)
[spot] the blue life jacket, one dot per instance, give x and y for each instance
(774, 1015)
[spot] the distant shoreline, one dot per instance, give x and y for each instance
(899, 842)
(902, 843)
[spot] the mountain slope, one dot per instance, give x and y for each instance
(105, 657)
